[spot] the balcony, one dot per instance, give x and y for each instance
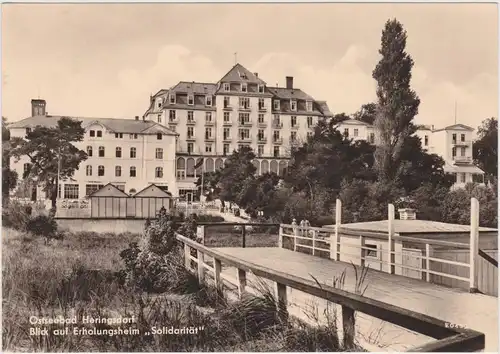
(209, 123)
(227, 107)
(463, 159)
(227, 139)
(191, 122)
(295, 126)
(277, 141)
(262, 124)
(227, 123)
(262, 140)
(173, 121)
(244, 124)
(277, 125)
(461, 143)
(245, 108)
(262, 109)
(209, 138)
(190, 138)
(242, 139)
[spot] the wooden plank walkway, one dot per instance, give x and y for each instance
(475, 311)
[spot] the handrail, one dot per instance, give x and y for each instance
(488, 258)
(449, 339)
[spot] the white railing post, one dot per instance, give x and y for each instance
(280, 237)
(187, 257)
(427, 262)
(241, 277)
(363, 251)
(281, 301)
(295, 234)
(217, 277)
(474, 244)
(200, 234)
(335, 238)
(201, 268)
(313, 241)
(390, 243)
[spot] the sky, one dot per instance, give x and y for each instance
(104, 60)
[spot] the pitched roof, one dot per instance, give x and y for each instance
(286, 94)
(118, 125)
(153, 190)
(109, 190)
(323, 107)
(456, 126)
(239, 73)
(354, 122)
(194, 88)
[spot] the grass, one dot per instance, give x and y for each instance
(77, 276)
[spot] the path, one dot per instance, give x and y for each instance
(476, 311)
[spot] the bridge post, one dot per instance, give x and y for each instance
(241, 277)
(281, 301)
(348, 326)
(295, 234)
(201, 268)
(390, 242)
(474, 245)
(280, 237)
(217, 277)
(427, 262)
(187, 257)
(335, 239)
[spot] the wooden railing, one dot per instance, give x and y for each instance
(389, 247)
(447, 339)
(243, 229)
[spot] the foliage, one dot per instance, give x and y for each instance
(210, 184)
(9, 182)
(237, 168)
(258, 194)
(397, 103)
(485, 149)
(51, 152)
(367, 113)
(15, 215)
(42, 225)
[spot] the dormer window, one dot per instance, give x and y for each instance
(276, 105)
(293, 105)
(208, 101)
(190, 100)
(172, 98)
(261, 88)
(159, 104)
(226, 87)
(309, 106)
(244, 87)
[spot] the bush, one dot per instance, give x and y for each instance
(15, 216)
(42, 225)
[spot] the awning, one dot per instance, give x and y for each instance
(448, 168)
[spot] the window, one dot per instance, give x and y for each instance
(99, 133)
(92, 133)
(293, 136)
(426, 140)
(276, 105)
(100, 170)
(88, 170)
(133, 152)
(89, 151)
(190, 148)
(260, 150)
(454, 138)
(226, 133)
(356, 132)
(119, 135)
(208, 101)
(101, 151)
(208, 133)
(190, 132)
(118, 171)
(346, 131)
(172, 98)
(244, 118)
(92, 188)
(261, 103)
(462, 151)
(208, 148)
(454, 152)
(159, 172)
(159, 136)
(190, 116)
(261, 118)
(133, 136)
(293, 121)
(261, 88)
(277, 119)
(226, 87)
(132, 191)
(71, 191)
(244, 87)
(190, 100)
(244, 134)
(372, 252)
(159, 153)
(462, 177)
(171, 115)
(226, 149)
(293, 105)
(309, 106)
(118, 152)
(276, 135)
(276, 151)
(159, 103)
(208, 117)
(26, 169)
(159, 118)
(309, 134)
(227, 101)
(227, 116)
(133, 171)
(244, 102)
(260, 135)
(309, 121)
(462, 137)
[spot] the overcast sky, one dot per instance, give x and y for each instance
(105, 60)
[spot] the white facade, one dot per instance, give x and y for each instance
(130, 154)
(357, 130)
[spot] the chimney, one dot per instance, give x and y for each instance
(289, 82)
(256, 74)
(407, 214)
(38, 107)
(136, 117)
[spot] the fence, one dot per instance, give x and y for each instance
(395, 254)
(238, 234)
(447, 339)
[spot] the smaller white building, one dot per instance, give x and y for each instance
(357, 130)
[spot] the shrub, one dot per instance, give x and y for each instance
(14, 215)
(42, 225)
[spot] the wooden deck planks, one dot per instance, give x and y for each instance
(476, 311)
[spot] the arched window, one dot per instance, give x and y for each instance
(132, 191)
(133, 152)
(89, 151)
(89, 170)
(101, 151)
(159, 172)
(100, 171)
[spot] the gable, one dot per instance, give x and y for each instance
(109, 190)
(153, 191)
(239, 73)
(157, 129)
(96, 125)
(459, 127)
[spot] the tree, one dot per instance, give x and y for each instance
(367, 113)
(397, 103)
(485, 149)
(237, 168)
(259, 194)
(210, 183)
(9, 177)
(51, 153)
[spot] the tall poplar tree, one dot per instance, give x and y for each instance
(397, 103)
